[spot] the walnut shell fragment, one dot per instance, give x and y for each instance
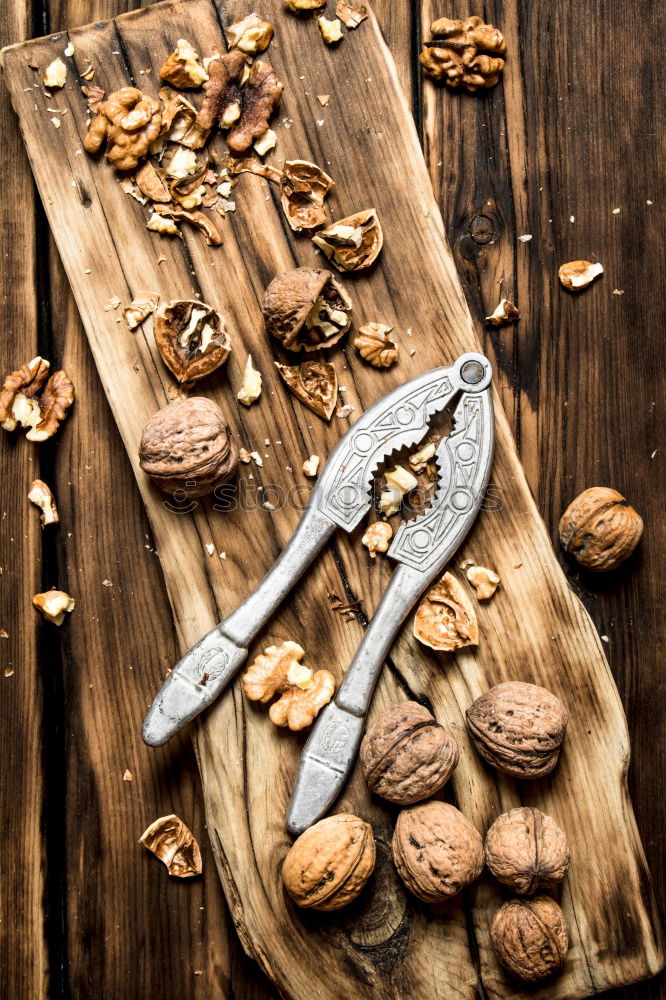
(436, 850)
(530, 937)
(315, 383)
(350, 15)
(303, 188)
(518, 728)
(28, 399)
(375, 346)
(173, 843)
(328, 865)
(600, 529)
(578, 274)
(197, 219)
(187, 445)
(278, 670)
(192, 338)
(130, 122)
(445, 618)
(406, 755)
(465, 53)
(182, 68)
(504, 314)
(179, 121)
(142, 305)
(352, 243)
(527, 851)
(151, 182)
(54, 605)
(306, 309)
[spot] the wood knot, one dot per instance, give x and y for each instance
(481, 228)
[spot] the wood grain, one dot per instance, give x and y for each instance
(367, 933)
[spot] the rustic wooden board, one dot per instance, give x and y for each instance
(389, 944)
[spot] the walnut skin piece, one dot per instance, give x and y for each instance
(504, 314)
(375, 346)
(445, 618)
(527, 851)
(406, 755)
(465, 53)
(25, 400)
(179, 121)
(484, 581)
(191, 338)
(182, 69)
(328, 865)
(518, 729)
(377, 537)
(436, 851)
(260, 96)
(354, 243)
(250, 35)
(530, 937)
(278, 670)
(171, 841)
(188, 442)
(130, 122)
(600, 530)
(42, 497)
(306, 309)
(54, 605)
(315, 383)
(303, 188)
(578, 274)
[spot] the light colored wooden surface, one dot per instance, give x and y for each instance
(534, 629)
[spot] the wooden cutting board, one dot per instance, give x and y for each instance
(388, 945)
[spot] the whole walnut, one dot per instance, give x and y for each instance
(518, 728)
(329, 864)
(436, 851)
(406, 755)
(530, 937)
(188, 445)
(600, 530)
(526, 850)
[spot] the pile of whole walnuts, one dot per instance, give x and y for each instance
(407, 757)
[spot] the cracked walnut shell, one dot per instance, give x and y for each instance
(406, 755)
(375, 346)
(464, 53)
(306, 309)
(527, 851)
(172, 842)
(445, 618)
(130, 122)
(188, 446)
(600, 530)
(303, 188)
(530, 937)
(436, 851)
(352, 243)
(518, 728)
(328, 865)
(28, 399)
(315, 383)
(278, 670)
(191, 338)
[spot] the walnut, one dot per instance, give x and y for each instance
(55, 74)
(278, 670)
(191, 338)
(27, 401)
(303, 188)
(302, 6)
(518, 728)
(377, 537)
(465, 53)
(250, 390)
(504, 314)
(406, 755)
(306, 309)
(484, 581)
(171, 841)
(315, 383)
(251, 35)
(142, 305)
(188, 445)
(436, 851)
(54, 605)
(331, 31)
(530, 937)
(600, 530)
(260, 96)
(350, 16)
(182, 68)
(328, 865)
(375, 346)
(311, 466)
(527, 851)
(353, 243)
(130, 122)
(42, 497)
(221, 103)
(578, 274)
(445, 618)
(245, 109)
(198, 219)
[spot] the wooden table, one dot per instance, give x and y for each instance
(84, 912)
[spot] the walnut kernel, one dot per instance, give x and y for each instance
(485, 581)
(311, 466)
(436, 851)
(54, 605)
(527, 851)
(375, 346)
(182, 68)
(530, 937)
(170, 840)
(42, 497)
(142, 305)
(352, 243)
(328, 865)
(445, 618)
(377, 537)
(578, 274)
(399, 481)
(250, 390)
(301, 6)
(250, 35)
(28, 399)
(130, 122)
(55, 74)
(331, 31)
(278, 670)
(464, 53)
(600, 530)
(419, 459)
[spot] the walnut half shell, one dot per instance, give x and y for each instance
(171, 841)
(306, 309)
(445, 619)
(329, 864)
(315, 383)
(191, 338)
